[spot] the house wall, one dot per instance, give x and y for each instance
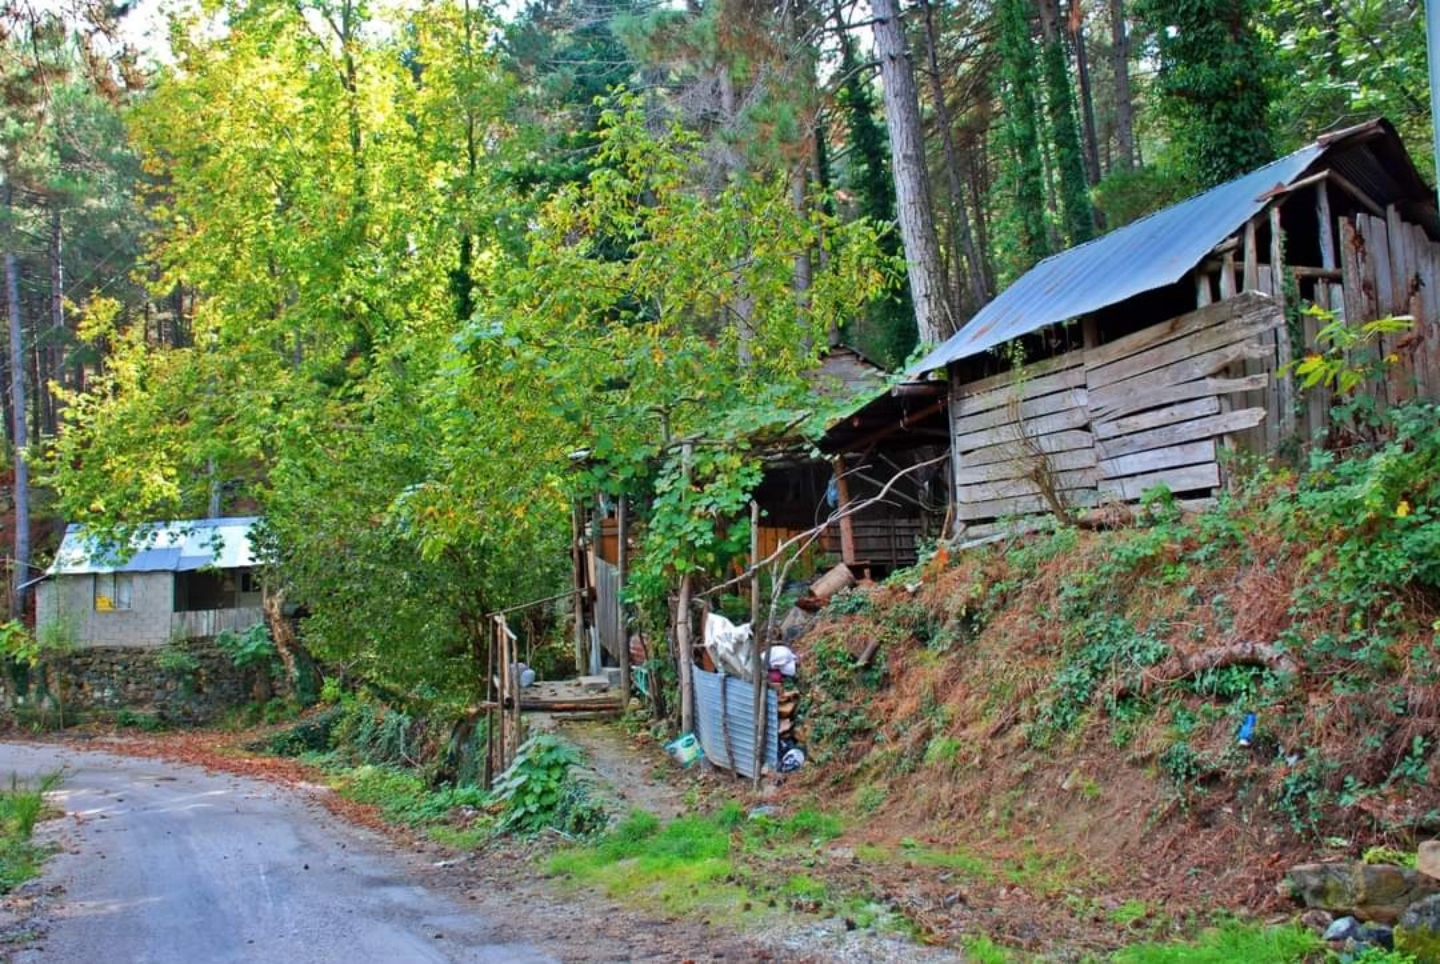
(63, 600)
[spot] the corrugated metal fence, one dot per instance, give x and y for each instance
(725, 721)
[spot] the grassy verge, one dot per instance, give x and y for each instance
(723, 864)
(21, 807)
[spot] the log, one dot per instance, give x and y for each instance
(1183, 666)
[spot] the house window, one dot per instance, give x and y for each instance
(114, 592)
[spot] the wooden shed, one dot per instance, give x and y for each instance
(1135, 360)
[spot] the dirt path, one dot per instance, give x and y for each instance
(629, 773)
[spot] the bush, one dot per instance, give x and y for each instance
(537, 793)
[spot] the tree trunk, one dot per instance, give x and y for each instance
(912, 187)
(684, 653)
(54, 344)
(1087, 97)
(1124, 103)
(19, 438)
(822, 178)
(963, 239)
(1069, 153)
(299, 664)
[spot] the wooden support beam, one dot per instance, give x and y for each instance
(919, 390)
(847, 523)
(622, 565)
(1251, 280)
(1327, 227)
(1203, 295)
(1349, 188)
(1283, 349)
(1227, 277)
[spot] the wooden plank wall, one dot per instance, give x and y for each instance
(1390, 267)
(1106, 424)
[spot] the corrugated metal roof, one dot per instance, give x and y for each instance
(160, 547)
(1155, 251)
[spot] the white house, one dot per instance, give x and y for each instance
(176, 580)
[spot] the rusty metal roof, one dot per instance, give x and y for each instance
(1159, 249)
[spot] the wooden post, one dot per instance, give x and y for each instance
(1227, 276)
(577, 547)
(1203, 295)
(1284, 352)
(847, 523)
(1252, 259)
(760, 642)
(491, 701)
(1327, 226)
(683, 642)
(622, 564)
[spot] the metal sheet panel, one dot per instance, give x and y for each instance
(725, 722)
(607, 608)
(1150, 253)
(161, 547)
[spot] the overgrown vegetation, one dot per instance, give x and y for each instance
(21, 807)
(1104, 679)
(421, 776)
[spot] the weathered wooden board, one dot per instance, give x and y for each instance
(1188, 479)
(1199, 366)
(1352, 272)
(1154, 460)
(1190, 431)
(1011, 432)
(1244, 328)
(1048, 366)
(1019, 467)
(968, 402)
(1170, 394)
(1058, 442)
(1030, 408)
(1079, 499)
(1156, 417)
(1177, 327)
(1010, 488)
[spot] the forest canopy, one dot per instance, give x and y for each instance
(378, 273)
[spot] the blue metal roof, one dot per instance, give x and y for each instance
(160, 547)
(1150, 253)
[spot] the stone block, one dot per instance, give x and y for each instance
(1418, 933)
(1371, 892)
(1428, 862)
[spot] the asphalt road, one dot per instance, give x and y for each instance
(165, 863)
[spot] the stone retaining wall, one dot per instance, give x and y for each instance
(194, 682)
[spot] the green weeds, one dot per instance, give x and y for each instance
(21, 807)
(1231, 942)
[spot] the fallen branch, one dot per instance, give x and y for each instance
(1183, 667)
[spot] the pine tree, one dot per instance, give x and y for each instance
(1060, 111)
(890, 316)
(1022, 175)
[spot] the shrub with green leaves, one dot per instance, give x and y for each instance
(252, 649)
(537, 792)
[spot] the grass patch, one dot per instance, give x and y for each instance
(684, 865)
(21, 807)
(1233, 941)
(982, 950)
(402, 796)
